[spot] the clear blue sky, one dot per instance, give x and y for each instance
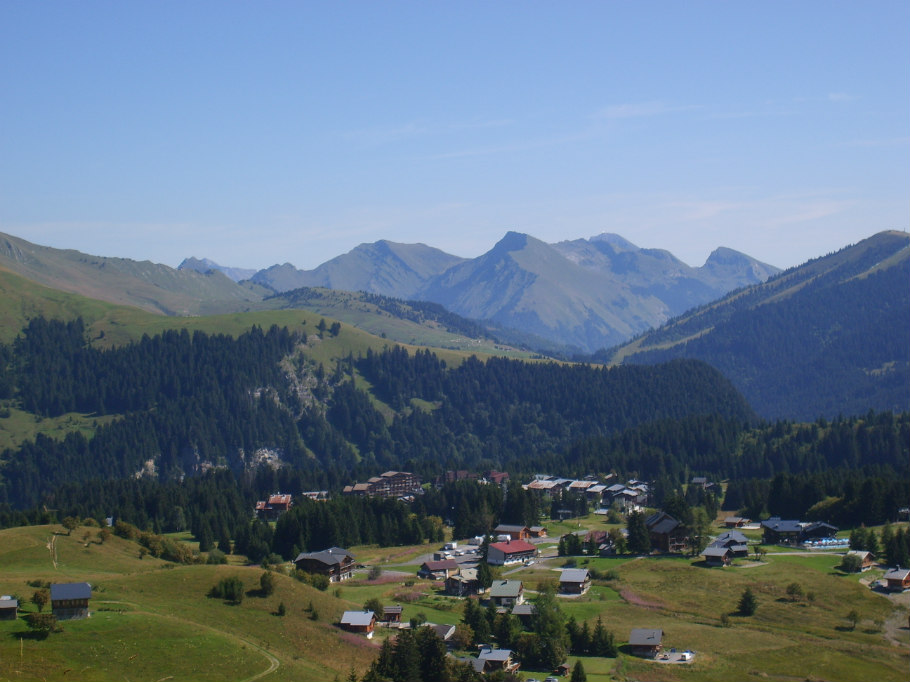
(256, 133)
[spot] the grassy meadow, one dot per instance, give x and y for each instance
(153, 620)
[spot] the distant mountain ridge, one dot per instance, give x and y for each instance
(203, 265)
(825, 338)
(586, 293)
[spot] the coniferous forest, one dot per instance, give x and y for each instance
(192, 414)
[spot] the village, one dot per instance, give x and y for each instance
(506, 570)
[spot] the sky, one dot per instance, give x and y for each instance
(272, 132)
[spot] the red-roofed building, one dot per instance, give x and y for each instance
(513, 552)
(274, 507)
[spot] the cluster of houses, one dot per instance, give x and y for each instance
(69, 601)
(397, 484)
(632, 494)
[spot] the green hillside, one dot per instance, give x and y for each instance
(152, 620)
(825, 338)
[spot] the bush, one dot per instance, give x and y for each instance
(42, 623)
(851, 564)
(266, 583)
(229, 589)
(216, 556)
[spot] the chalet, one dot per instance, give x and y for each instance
(444, 632)
(541, 486)
(391, 614)
(500, 478)
(438, 570)
(273, 507)
(9, 608)
(335, 563)
(646, 643)
(538, 531)
(667, 534)
(525, 613)
(777, 531)
(513, 552)
(736, 522)
(897, 580)
(736, 542)
(866, 559)
(359, 621)
(463, 583)
(388, 484)
(315, 495)
(497, 659)
(718, 555)
(574, 581)
(507, 592)
(514, 532)
(69, 601)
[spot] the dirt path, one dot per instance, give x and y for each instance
(896, 626)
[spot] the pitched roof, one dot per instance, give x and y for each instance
(526, 609)
(357, 618)
(508, 528)
(731, 536)
(642, 637)
(716, 550)
(495, 654)
(9, 603)
(329, 557)
(514, 547)
(505, 588)
(898, 574)
(71, 591)
(573, 575)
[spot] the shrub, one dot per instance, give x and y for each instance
(266, 583)
(42, 623)
(851, 564)
(216, 556)
(229, 589)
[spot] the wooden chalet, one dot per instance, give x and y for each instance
(525, 613)
(538, 531)
(574, 581)
(507, 592)
(69, 601)
(335, 563)
(777, 531)
(736, 522)
(866, 558)
(716, 555)
(666, 533)
(273, 507)
(514, 532)
(392, 614)
(463, 583)
(497, 659)
(359, 621)
(646, 643)
(512, 552)
(438, 570)
(736, 542)
(897, 580)
(9, 608)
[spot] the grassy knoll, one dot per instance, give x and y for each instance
(21, 426)
(152, 620)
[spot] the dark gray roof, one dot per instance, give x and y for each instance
(573, 575)
(329, 557)
(782, 526)
(9, 603)
(717, 551)
(733, 536)
(526, 609)
(642, 637)
(71, 591)
(505, 588)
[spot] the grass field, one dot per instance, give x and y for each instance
(152, 620)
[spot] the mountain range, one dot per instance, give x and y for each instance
(826, 338)
(585, 294)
